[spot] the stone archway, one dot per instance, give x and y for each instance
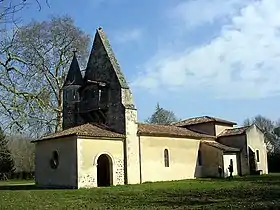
(104, 170)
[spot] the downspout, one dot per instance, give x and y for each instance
(140, 156)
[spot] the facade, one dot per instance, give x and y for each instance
(250, 141)
(102, 143)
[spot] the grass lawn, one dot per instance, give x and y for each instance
(261, 192)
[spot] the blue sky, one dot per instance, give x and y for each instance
(218, 58)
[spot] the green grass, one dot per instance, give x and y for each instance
(16, 182)
(260, 192)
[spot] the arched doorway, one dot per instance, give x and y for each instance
(104, 171)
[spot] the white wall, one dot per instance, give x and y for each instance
(182, 158)
(220, 128)
(255, 140)
(65, 175)
(227, 158)
(88, 152)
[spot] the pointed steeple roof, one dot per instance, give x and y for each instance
(74, 76)
(100, 37)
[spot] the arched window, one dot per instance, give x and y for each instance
(166, 158)
(258, 155)
(54, 162)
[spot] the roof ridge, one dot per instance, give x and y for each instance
(174, 130)
(247, 126)
(86, 129)
(111, 55)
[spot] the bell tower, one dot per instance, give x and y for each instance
(120, 111)
(71, 95)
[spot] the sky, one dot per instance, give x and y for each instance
(195, 57)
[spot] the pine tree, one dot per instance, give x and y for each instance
(6, 160)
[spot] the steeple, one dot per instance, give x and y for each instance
(102, 47)
(74, 76)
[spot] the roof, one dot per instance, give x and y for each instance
(169, 131)
(220, 146)
(90, 130)
(74, 76)
(103, 42)
(233, 131)
(202, 119)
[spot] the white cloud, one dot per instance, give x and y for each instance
(198, 12)
(243, 61)
(128, 35)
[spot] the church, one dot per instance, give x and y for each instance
(103, 144)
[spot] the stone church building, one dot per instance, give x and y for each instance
(103, 144)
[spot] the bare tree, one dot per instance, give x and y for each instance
(33, 77)
(10, 62)
(270, 129)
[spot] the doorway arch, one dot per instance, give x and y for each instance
(104, 170)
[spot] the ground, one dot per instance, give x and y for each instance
(259, 192)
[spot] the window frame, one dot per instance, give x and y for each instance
(257, 155)
(54, 161)
(166, 158)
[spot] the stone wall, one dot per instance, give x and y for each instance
(102, 67)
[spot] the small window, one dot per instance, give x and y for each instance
(75, 95)
(166, 158)
(199, 158)
(54, 162)
(258, 155)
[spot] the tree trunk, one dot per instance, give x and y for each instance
(59, 112)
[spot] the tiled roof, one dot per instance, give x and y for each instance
(233, 131)
(169, 131)
(202, 119)
(94, 130)
(220, 146)
(90, 130)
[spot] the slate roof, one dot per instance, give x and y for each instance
(220, 146)
(234, 131)
(74, 76)
(202, 119)
(100, 37)
(169, 131)
(89, 130)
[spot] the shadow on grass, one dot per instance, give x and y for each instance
(29, 187)
(251, 198)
